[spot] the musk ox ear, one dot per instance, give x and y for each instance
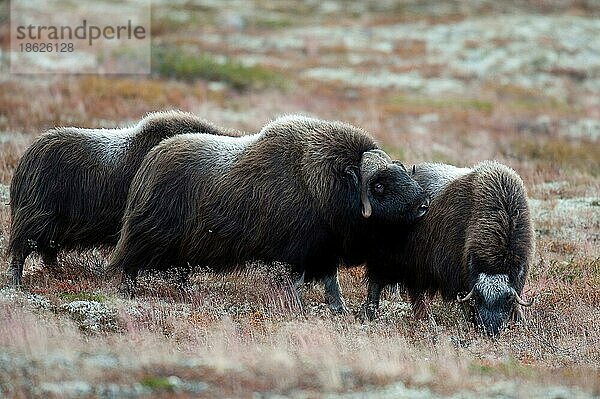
(414, 170)
(353, 172)
(372, 162)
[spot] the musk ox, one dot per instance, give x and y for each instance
(477, 237)
(297, 192)
(70, 187)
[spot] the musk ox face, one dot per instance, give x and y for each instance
(494, 300)
(395, 197)
(387, 191)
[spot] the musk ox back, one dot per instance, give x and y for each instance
(477, 237)
(296, 192)
(70, 187)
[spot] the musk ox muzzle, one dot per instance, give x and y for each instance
(387, 190)
(494, 301)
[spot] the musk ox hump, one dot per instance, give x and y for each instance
(501, 233)
(435, 177)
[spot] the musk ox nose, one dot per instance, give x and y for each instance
(493, 329)
(422, 209)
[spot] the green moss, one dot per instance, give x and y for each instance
(450, 103)
(180, 64)
(271, 23)
(481, 368)
(81, 296)
(157, 383)
(510, 367)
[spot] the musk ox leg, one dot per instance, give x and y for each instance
(129, 283)
(298, 284)
(50, 259)
(182, 277)
(371, 306)
(333, 294)
(291, 289)
(16, 267)
(419, 306)
(469, 312)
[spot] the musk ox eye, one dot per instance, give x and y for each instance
(378, 188)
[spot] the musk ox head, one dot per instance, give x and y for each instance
(387, 191)
(494, 300)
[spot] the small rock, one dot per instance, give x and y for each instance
(4, 194)
(91, 316)
(39, 302)
(66, 388)
(36, 301)
(582, 129)
(174, 381)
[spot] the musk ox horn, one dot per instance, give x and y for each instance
(520, 316)
(465, 298)
(372, 161)
(521, 301)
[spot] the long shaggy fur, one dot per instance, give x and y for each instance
(283, 194)
(478, 222)
(70, 187)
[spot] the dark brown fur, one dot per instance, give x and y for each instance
(289, 193)
(70, 187)
(478, 222)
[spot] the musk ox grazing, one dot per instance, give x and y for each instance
(300, 191)
(476, 238)
(70, 187)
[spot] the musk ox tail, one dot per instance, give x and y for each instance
(30, 216)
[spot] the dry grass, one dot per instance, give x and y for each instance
(235, 334)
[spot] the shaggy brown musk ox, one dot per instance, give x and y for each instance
(476, 238)
(70, 187)
(297, 192)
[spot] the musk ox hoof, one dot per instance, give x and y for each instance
(127, 288)
(368, 312)
(14, 278)
(339, 309)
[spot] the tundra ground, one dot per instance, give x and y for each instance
(457, 83)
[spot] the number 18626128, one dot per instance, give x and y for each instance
(46, 47)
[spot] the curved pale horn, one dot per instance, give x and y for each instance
(372, 161)
(520, 300)
(466, 298)
(522, 318)
(366, 206)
